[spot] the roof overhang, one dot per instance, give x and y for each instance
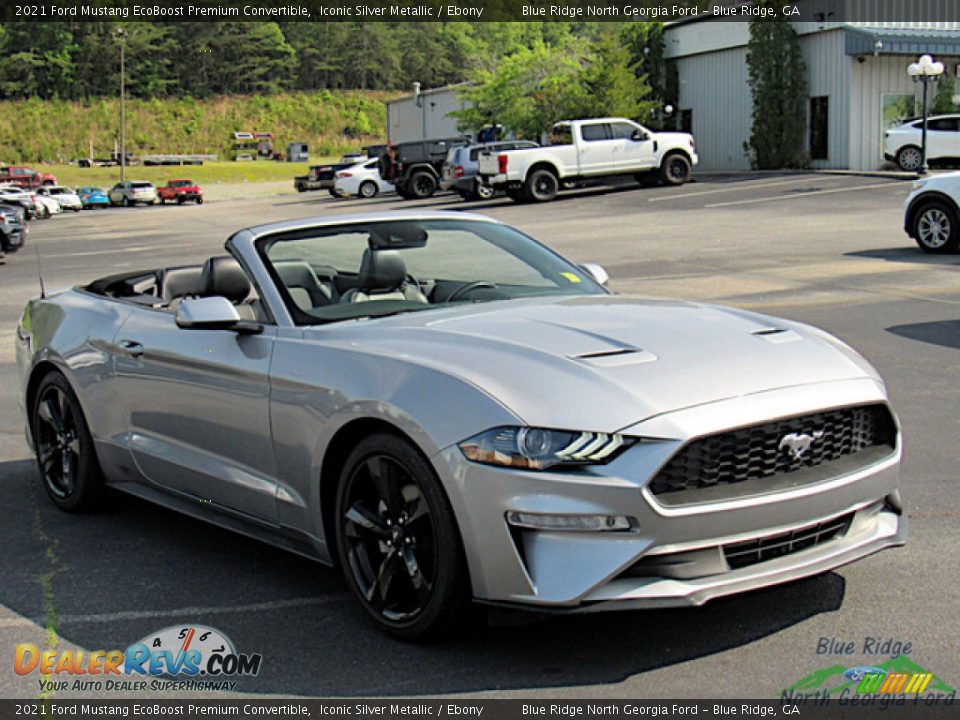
(863, 39)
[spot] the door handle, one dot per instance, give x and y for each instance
(131, 348)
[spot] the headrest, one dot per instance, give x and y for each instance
(381, 270)
(181, 281)
(296, 273)
(224, 276)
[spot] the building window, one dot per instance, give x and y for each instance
(819, 121)
(686, 121)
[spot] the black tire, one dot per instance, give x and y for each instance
(936, 228)
(909, 158)
(648, 179)
(675, 169)
(180, 201)
(368, 189)
(541, 186)
(126, 202)
(422, 185)
(66, 457)
(199, 201)
(397, 541)
(163, 201)
(333, 192)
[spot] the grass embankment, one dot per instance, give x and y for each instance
(57, 132)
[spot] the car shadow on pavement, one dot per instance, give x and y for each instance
(911, 254)
(945, 333)
(132, 569)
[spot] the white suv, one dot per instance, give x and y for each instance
(902, 143)
(129, 193)
(932, 213)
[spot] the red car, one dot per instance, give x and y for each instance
(180, 191)
(25, 177)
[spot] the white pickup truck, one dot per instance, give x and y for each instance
(581, 149)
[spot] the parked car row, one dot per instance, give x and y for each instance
(576, 152)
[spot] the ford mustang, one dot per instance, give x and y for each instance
(452, 413)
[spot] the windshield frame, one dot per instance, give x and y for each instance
(384, 308)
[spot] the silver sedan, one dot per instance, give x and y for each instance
(453, 413)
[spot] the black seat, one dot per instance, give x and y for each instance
(383, 276)
(180, 281)
(223, 276)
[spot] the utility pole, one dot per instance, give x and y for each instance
(121, 35)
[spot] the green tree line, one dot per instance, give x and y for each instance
(81, 60)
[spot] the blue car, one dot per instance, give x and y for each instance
(93, 197)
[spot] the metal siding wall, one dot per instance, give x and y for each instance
(828, 73)
(871, 79)
(714, 86)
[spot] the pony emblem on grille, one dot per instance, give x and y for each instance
(797, 444)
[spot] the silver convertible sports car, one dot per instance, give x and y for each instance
(451, 412)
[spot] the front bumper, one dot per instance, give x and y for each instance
(588, 571)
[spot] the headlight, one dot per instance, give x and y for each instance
(539, 449)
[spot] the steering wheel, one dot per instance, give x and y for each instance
(469, 287)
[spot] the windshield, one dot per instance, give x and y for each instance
(382, 268)
(141, 185)
(180, 183)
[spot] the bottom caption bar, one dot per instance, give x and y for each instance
(885, 707)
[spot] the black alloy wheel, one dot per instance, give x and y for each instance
(64, 448)
(397, 540)
(676, 169)
(423, 185)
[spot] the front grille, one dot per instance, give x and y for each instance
(743, 554)
(762, 452)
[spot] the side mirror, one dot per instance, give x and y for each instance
(213, 313)
(596, 272)
(639, 136)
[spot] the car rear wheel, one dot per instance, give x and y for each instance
(909, 158)
(935, 228)
(541, 186)
(368, 189)
(422, 185)
(482, 191)
(64, 448)
(397, 540)
(676, 169)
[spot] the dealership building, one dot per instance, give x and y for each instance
(857, 85)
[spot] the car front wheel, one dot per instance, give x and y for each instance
(64, 448)
(935, 228)
(397, 540)
(676, 169)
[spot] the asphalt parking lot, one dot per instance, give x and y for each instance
(823, 249)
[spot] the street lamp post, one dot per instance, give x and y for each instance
(121, 36)
(926, 71)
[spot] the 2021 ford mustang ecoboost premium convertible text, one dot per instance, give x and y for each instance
(451, 411)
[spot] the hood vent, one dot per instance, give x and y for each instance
(776, 335)
(616, 357)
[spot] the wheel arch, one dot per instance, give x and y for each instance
(676, 151)
(37, 374)
(543, 165)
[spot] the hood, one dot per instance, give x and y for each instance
(606, 362)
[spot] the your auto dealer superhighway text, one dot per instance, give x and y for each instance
(617, 709)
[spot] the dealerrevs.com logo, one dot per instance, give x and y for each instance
(191, 657)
